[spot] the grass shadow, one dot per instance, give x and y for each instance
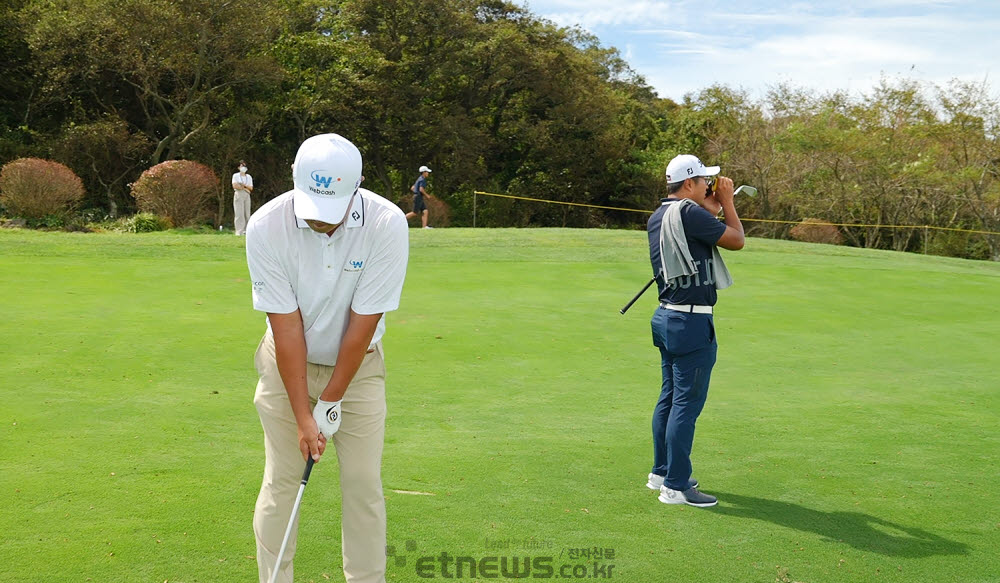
(861, 531)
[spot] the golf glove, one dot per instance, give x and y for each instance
(327, 416)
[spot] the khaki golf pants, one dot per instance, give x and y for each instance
(241, 211)
(359, 454)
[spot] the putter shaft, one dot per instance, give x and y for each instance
(291, 519)
(639, 295)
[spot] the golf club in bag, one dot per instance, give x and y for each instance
(291, 519)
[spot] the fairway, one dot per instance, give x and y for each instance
(851, 430)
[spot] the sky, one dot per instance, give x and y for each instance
(682, 46)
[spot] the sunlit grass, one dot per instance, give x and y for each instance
(850, 431)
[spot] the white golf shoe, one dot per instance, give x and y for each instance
(691, 497)
(655, 482)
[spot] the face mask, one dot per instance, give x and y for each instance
(243, 168)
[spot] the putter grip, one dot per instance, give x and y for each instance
(309, 469)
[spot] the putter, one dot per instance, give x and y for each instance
(291, 519)
(638, 295)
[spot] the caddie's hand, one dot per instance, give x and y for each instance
(312, 443)
(724, 190)
(327, 415)
(712, 204)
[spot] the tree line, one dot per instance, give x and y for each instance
(488, 95)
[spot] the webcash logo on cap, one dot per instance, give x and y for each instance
(322, 183)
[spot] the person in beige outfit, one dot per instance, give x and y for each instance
(242, 187)
(327, 260)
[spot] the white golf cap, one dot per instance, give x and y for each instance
(424, 169)
(687, 166)
(326, 174)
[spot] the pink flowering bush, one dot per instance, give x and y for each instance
(816, 231)
(33, 188)
(180, 191)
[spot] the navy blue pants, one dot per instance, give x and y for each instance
(687, 352)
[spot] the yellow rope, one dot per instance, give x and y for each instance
(612, 208)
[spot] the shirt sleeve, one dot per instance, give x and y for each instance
(381, 283)
(272, 288)
(249, 181)
(700, 225)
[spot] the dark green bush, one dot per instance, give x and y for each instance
(145, 223)
(47, 222)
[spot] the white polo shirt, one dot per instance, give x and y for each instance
(244, 179)
(360, 267)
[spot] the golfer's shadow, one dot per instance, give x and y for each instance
(861, 531)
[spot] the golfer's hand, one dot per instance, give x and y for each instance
(724, 190)
(327, 416)
(311, 441)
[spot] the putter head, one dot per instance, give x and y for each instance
(747, 190)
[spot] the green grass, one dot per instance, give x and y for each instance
(851, 431)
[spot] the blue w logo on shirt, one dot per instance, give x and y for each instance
(357, 264)
(321, 181)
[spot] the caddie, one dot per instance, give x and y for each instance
(327, 260)
(684, 236)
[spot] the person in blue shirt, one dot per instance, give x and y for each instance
(419, 189)
(684, 236)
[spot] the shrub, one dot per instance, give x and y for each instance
(145, 223)
(39, 190)
(816, 231)
(75, 227)
(438, 211)
(181, 191)
(958, 244)
(48, 222)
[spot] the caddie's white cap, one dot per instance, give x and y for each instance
(424, 169)
(326, 174)
(687, 166)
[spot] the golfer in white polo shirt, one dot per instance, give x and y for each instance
(327, 260)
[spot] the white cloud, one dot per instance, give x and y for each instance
(839, 50)
(601, 12)
(671, 32)
(686, 45)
